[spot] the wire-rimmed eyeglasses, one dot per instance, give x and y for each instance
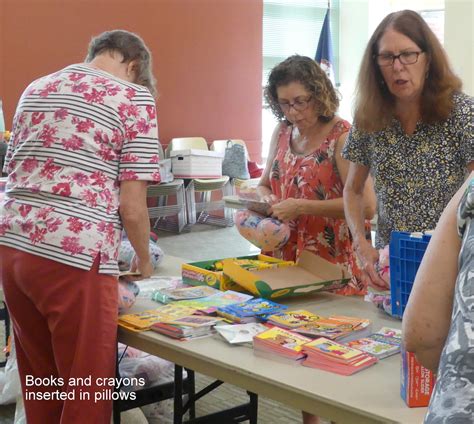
(405, 58)
(299, 105)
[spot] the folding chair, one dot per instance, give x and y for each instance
(166, 216)
(200, 211)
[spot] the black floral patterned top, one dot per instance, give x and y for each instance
(415, 175)
(453, 399)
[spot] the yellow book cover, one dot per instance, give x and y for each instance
(293, 319)
(280, 337)
(142, 321)
(333, 349)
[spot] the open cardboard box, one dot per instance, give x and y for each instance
(199, 273)
(310, 274)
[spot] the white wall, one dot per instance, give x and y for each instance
(359, 18)
(459, 40)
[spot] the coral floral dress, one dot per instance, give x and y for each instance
(315, 177)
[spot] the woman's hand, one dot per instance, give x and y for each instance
(286, 210)
(269, 198)
(368, 256)
(143, 268)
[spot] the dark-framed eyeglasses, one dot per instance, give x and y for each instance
(405, 58)
(299, 105)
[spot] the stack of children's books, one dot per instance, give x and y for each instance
(250, 311)
(335, 327)
(188, 327)
(240, 334)
(167, 295)
(279, 343)
(335, 357)
(209, 304)
(143, 321)
(383, 343)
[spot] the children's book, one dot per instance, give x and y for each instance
(251, 310)
(194, 321)
(187, 327)
(142, 321)
(293, 319)
(182, 333)
(280, 342)
(183, 293)
(335, 357)
(336, 327)
(240, 333)
(383, 343)
(210, 304)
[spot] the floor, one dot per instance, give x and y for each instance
(203, 242)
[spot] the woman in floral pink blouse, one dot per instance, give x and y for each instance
(305, 173)
(84, 145)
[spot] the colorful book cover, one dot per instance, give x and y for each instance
(334, 350)
(293, 319)
(142, 321)
(389, 335)
(351, 323)
(324, 327)
(211, 303)
(335, 327)
(282, 338)
(374, 347)
(253, 307)
(183, 293)
(385, 342)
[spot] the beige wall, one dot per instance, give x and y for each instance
(459, 40)
(359, 18)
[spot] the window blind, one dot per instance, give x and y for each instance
(293, 27)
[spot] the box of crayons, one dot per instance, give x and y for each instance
(211, 273)
(417, 382)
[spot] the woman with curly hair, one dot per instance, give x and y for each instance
(412, 132)
(305, 173)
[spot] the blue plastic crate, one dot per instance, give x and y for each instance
(406, 253)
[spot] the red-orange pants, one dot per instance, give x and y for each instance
(65, 325)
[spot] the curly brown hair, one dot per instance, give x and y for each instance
(131, 47)
(307, 72)
(374, 104)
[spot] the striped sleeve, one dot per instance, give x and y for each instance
(139, 157)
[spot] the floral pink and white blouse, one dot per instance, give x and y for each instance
(76, 134)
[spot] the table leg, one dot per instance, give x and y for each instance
(178, 395)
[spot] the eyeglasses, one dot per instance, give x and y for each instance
(405, 58)
(299, 105)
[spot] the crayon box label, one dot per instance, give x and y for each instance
(417, 382)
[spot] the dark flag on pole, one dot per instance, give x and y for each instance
(324, 54)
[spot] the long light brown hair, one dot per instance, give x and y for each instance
(374, 104)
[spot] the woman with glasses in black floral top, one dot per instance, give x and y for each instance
(413, 132)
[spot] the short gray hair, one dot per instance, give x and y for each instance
(131, 47)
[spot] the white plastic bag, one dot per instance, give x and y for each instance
(20, 415)
(12, 388)
(153, 370)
